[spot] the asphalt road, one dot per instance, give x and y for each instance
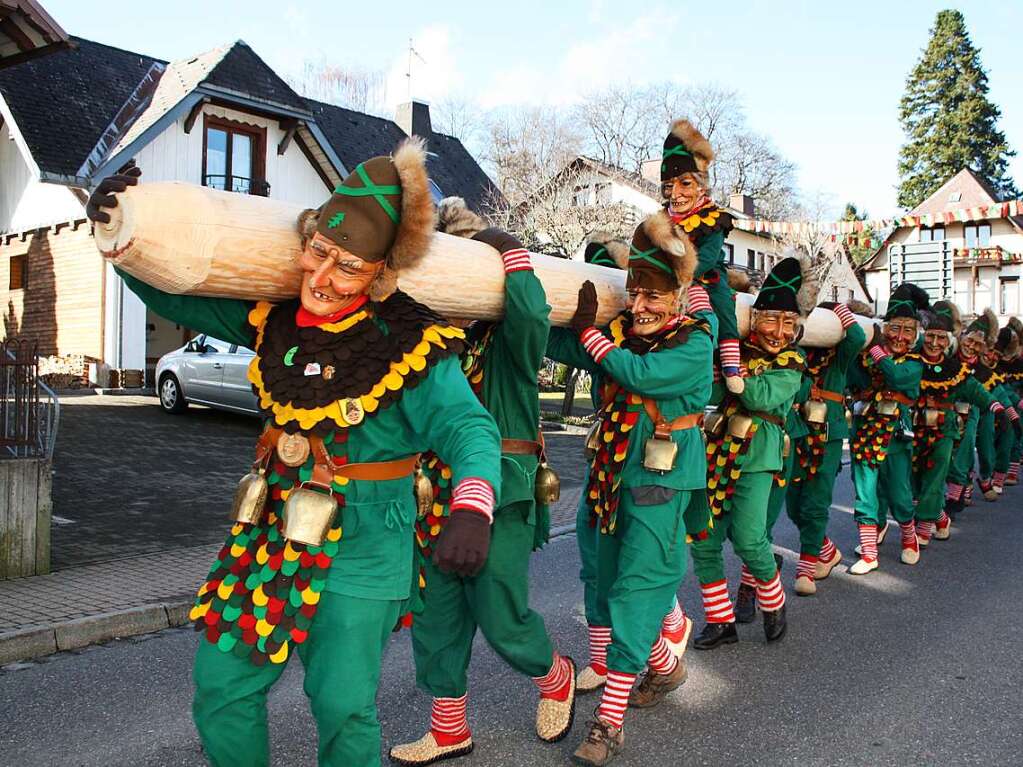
(906, 666)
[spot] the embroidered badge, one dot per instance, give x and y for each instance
(312, 369)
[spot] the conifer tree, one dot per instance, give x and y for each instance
(949, 122)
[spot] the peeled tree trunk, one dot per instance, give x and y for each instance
(187, 239)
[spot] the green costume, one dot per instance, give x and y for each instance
(796, 429)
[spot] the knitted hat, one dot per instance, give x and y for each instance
(659, 257)
(906, 301)
(604, 250)
(383, 211)
(782, 290)
(944, 316)
(987, 325)
(685, 151)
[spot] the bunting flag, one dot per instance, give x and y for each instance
(979, 213)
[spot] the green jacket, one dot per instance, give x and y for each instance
(441, 413)
(771, 391)
(678, 380)
(834, 376)
(901, 375)
(947, 382)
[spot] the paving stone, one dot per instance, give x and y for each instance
(26, 643)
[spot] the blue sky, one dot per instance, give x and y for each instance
(822, 79)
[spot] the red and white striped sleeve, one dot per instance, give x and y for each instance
(877, 353)
(516, 260)
(996, 407)
(1013, 415)
(595, 343)
(697, 300)
(473, 494)
(846, 317)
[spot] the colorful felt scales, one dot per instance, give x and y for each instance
(810, 449)
(725, 455)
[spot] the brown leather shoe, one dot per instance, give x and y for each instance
(653, 687)
(601, 745)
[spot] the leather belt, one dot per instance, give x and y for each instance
(324, 469)
(520, 447)
(824, 394)
(378, 471)
(687, 421)
(934, 404)
(902, 399)
(769, 417)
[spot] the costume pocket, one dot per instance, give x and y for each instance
(376, 549)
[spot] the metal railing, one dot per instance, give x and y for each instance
(29, 409)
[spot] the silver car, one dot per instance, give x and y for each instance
(206, 371)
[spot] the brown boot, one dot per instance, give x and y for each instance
(601, 745)
(653, 687)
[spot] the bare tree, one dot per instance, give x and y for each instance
(352, 87)
(459, 117)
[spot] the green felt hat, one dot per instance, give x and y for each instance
(907, 300)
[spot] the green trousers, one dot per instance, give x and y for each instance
(808, 501)
(986, 445)
(745, 525)
(1004, 441)
(962, 458)
(586, 539)
(639, 569)
(929, 484)
(496, 601)
(341, 655)
(778, 492)
(885, 488)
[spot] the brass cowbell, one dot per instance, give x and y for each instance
(423, 490)
(815, 411)
(592, 443)
(547, 486)
(250, 497)
(309, 515)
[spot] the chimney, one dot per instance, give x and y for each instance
(413, 117)
(651, 171)
(741, 202)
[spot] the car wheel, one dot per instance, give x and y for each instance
(172, 400)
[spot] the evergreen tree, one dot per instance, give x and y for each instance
(948, 119)
(860, 245)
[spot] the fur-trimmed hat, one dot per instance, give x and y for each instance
(1007, 343)
(383, 211)
(789, 287)
(604, 250)
(1017, 327)
(859, 307)
(685, 151)
(660, 257)
(455, 218)
(907, 300)
(987, 325)
(944, 316)
(739, 281)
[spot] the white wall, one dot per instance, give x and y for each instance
(25, 203)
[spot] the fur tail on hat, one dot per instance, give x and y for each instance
(992, 326)
(806, 298)
(859, 307)
(455, 218)
(949, 309)
(695, 142)
(739, 281)
(616, 247)
(1017, 327)
(666, 236)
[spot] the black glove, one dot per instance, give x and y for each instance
(877, 339)
(586, 310)
(103, 196)
(1001, 420)
(498, 239)
(463, 544)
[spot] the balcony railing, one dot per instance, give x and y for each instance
(256, 186)
(994, 255)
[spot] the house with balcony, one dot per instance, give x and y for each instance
(223, 119)
(956, 249)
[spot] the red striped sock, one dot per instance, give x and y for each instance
(828, 550)
(615, 698)
(600, 638)
(953, 491)
(807, 566)
(908, 531)
(944, 520)
(998, 478)
(1014, 471)
(925, 530)
(868, 542)
(717, 605)
(447, 720)
(556, 683)
(731, 357)
(662, 660)
(770, 594)
(675, 620)
(746, 577)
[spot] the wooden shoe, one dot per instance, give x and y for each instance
(554, 717)
(909, 555)
(805, 586)
(922, 542)
(589, 680)
(862, 566)
(943, 533)
(426, 750)
(653, 687)
(602, 744)
(823, 569)
(678, 643)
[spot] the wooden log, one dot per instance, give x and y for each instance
(182, 238)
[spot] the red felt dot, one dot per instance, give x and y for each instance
(211, 617)
(275, 561)
(274, 605)
(212, 634)
(308, 610)
(322, 560)
(306, 559)
(247, 621)
(249, 636)
(298, 635)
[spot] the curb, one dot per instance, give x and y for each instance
(39, 641)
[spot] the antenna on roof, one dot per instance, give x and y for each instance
(408, 74)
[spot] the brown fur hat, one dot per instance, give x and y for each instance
(1007, 342)
(986, 324)
(1017, 327)
(684, 133)
(661, 257)
(806, 298)
(455, 218)
(859, 307)
(739, 281)
(599, 242)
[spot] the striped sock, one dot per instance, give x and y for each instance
(908, 531)
(770, 594)
(674, 620)
(556, 683)
(828, 550)
(447, 720)
(731, 357)
(600, 638)
(953, 491)
(998, 479)
(925, 530)
(1014, 471)
(662, 660)
(615, 698)
(868, 542)
(944, 520)
(968, 492)
(807, 566)
(717, 605)
(746, 577)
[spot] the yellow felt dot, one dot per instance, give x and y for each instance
(422, 581)
(310, 597)
(224, 590)
(289, 553)
(735, 473)
(446, 472)
(421, 349)
(341, 480)
(369, 404)
(334, 534)
(198, 611)
(438, 510)
(259, 599)
(620, 456)
(263, 628)
(271, 519)
(614, 416)
(608, 436)
(285, 494)
(281, 655)
(431, 335)
(721, 461)
(401, 367)
(236, 550)
(415, 361)
(378, 390)
(237, 529)
(204, 588)
(626, 427)
(434, 529)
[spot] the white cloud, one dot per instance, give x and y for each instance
(435, 72)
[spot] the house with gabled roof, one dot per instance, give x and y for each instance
(223, 119)
(27, 31)
(964, 244)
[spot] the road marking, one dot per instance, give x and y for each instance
(61, 520)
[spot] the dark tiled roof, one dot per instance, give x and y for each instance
(242, 71)
(62, 102)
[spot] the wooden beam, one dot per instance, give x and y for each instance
(289, 126)
(194, 114)
(316, 166)
(17, 35)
